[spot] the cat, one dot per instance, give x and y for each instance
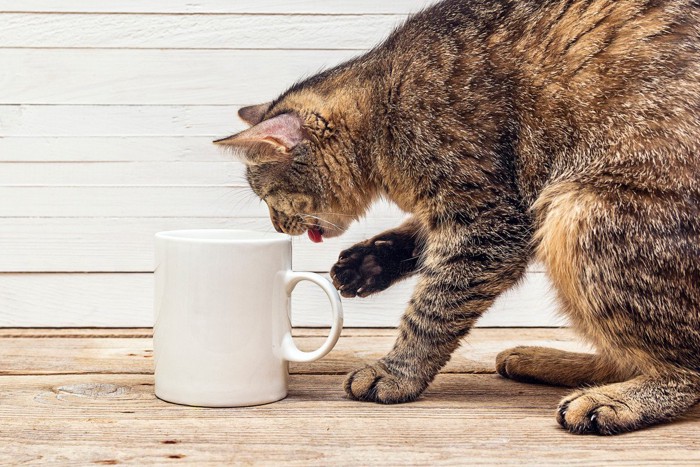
(563, 131)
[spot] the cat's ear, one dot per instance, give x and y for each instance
(254, 114)
(283, 132)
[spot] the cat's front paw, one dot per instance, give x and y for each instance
(359, 271)
(375, 383)
(592, 411)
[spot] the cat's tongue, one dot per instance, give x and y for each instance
(315, 235)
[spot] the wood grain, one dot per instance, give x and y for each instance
(479, 419)
(226, 173)
(31, 121)
(218, 6)
(151, 77)
(131, 352)
(76, 300)
(130, 201)
(104, 244)
(234, 200)
(134, 333)
(528, 304)
(126, 300)
(86, 397)
(124, 244)
(70, 244)
(107, 112)
(111, 148)
(287, 32)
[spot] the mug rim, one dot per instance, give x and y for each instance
(223, 236)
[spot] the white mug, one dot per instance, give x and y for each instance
(222, 334)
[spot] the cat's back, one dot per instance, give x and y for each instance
(604, 82)
(610, 47)
(613, 86)
(588, 57)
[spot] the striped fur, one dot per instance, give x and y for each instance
(567, 130)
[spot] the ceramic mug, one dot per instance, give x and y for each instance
(222, 334)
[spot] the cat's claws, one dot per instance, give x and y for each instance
(592, 412)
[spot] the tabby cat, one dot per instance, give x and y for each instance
(566, 131)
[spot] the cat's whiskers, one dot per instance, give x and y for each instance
(237, 197)
(335, 214)
(335, 226)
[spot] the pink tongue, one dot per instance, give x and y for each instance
(315, 236)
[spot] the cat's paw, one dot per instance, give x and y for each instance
(375, 383)
(359, 271)
(521, 364)
(590, 411)
(508, 362)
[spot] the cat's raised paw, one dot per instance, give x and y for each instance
(375, 383)
(359, 271)
(589, 411)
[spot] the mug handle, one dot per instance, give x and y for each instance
(290, 351)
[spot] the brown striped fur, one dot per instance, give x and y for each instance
(562, 130)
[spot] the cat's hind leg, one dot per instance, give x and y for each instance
(624, 264)
(627, 406)
(556, 367)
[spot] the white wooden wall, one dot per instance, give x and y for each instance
(107, 110)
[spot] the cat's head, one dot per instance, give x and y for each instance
(302, 158)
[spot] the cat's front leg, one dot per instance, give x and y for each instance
(375, 264)
(464, 270)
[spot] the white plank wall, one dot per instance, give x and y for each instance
(107, 112)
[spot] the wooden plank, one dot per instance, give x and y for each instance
(126, 244)
(126, 300)
(193, 31)
(123, 244)
(76, 300)
(531, 303)
(111, 148)
(217, 6)
(33, 121)
(108, 419)
(136, 201)
(76, 244)
(108, 352)
(135, 333)
(122, 173)
(130, 201)
(198, 77)
(96, 244)
(83, 333)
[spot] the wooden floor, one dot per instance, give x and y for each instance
(85, 396)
